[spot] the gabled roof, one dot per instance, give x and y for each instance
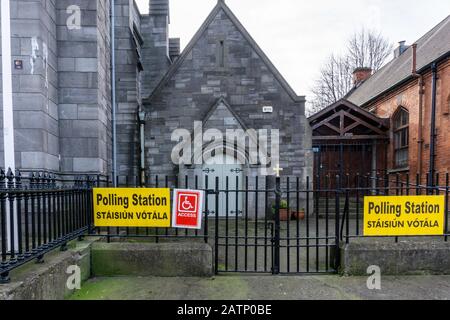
(222, 6)
(223, 101)
(251, 134)
(431, 47)
(345, 121)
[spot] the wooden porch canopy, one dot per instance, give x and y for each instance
(346, 121)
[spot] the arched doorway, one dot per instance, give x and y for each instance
(231, 175)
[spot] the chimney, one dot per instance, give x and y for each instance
(360, 75)
(155, 51)
(174, 48)
(402, 47)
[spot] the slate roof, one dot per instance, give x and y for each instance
(432, 46)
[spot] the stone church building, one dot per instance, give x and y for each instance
(64, 93)
(224, 80)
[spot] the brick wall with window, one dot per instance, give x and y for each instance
(401, 138)
(401, 106)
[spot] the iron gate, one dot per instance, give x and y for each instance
(285, 228)
(264, 225)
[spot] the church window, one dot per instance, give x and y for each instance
(401, 138)
(221, 54)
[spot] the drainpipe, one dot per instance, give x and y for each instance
(420, 131)
(113, 93)
(421, 93)
(433, 125)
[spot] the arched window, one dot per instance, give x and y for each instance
(401, 138)
(448, 103)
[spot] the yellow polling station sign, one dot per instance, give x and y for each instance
(126, 207)
(404, 215)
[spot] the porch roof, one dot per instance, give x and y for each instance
(344, 120)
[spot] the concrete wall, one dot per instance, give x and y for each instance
(408, 256)
(48, 281)
(146, 259)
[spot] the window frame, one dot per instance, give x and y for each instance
(398, 133)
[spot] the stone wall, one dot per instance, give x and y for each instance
(127, 87)
(35, 98)
(84, 89)
(244, 80)
(155, 52)
(62, 96)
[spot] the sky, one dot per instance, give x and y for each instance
(299, 35)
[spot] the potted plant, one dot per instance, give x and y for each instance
(299, 215)
(284, 210)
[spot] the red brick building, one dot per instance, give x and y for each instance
(413, 93)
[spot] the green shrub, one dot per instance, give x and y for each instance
(283, 205)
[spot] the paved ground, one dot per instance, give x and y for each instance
(237, 287)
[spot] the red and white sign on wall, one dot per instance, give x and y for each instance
(187, 209)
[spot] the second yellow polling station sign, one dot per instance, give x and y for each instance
(126, 207)
(404, 215)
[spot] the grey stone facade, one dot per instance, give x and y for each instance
(35, 94)
(222, 63)
(155, 51)
(128, 95)
(84, 90)
(62, 96)
(63, 99)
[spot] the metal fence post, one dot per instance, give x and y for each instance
(276, 240)
(216, 240)
(446, 206)
(206, 211)
(337, 256)
(4, 275)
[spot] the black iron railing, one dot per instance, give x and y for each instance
(255, 224)
(39, 213)
(356, 187)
